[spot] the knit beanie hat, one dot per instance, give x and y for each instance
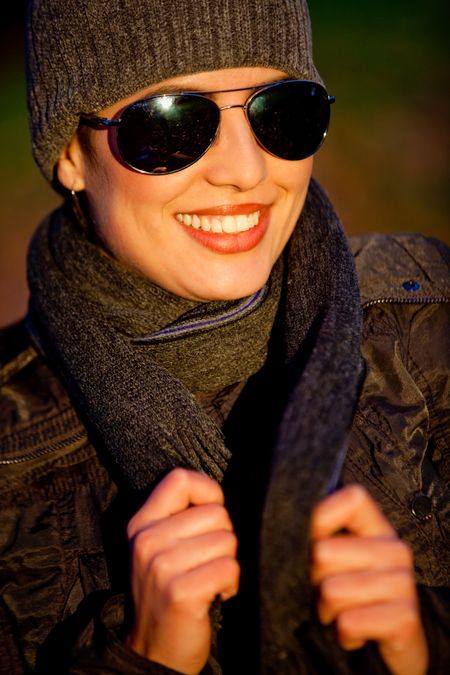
(85, 55)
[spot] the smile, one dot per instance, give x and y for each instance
(228, 224)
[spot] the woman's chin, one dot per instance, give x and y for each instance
(231, 288)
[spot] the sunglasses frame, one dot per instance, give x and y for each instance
(105, 123)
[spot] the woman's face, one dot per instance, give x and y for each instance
(146, 221)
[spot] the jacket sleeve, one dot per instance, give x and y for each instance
(91, 642)
(435, 606)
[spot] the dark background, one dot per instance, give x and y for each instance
(385, 163)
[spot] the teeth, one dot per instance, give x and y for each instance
(220, 224)
(229, 224)
(205, 225)
(242, 222)
(216, 226)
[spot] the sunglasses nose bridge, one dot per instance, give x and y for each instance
(236, 105)
(244, 107)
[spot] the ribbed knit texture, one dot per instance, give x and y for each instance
(145, 421)
(85, 55)
(322, 318)
(100, 339)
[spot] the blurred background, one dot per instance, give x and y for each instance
(385, 163)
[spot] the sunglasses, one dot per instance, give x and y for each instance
(166, 133)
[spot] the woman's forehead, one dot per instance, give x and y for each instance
(208, 81)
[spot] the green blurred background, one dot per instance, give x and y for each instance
(386, 160)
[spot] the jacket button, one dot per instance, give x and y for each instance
(422, 507)
(411, 285)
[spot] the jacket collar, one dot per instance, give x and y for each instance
(401, 268)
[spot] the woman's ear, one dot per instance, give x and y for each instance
(70, 166)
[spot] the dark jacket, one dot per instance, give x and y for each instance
(63, 545)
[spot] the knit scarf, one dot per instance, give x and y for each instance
(99, 326)
(133, 355)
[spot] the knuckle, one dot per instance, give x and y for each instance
(233, 571)
(226, 542)
(159, 568)
(410, 619)
(135, 526)
(234, 566)
(357, 493)
(177, 595)
(329, 590)
(406, 584)
(319, 553)
(345, 626)
(322, 554)
(227, 520)
(232, 542)
(178, 478)
(139, 552)
(132, 527)
(227, 569)
(142, 547)
(405, 553)
(219, 516)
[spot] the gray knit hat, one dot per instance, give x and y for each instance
(85, 55)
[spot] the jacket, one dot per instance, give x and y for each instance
(63, 545)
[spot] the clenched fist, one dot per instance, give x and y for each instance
(365, 580)
(183, 554)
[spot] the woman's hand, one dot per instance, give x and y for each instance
(365, 580)
(183, 554)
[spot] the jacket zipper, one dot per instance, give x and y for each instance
(407, 301)
(44, 451)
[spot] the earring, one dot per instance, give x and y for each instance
(79, 212)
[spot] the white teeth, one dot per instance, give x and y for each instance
(216, 226)
(242, 222)
(229, 224)
(205, 225)
(220, 224)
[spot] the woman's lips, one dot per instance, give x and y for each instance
(228, 228)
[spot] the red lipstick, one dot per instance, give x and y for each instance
(238, 242)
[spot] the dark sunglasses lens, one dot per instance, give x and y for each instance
(290, 119)
(164, 134)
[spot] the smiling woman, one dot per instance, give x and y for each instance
(385, 163)
(161, 227)
(196, 405)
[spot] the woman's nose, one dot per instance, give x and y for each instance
(235, 159)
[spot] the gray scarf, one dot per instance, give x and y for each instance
(146, 421)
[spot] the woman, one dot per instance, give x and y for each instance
(188, 388)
